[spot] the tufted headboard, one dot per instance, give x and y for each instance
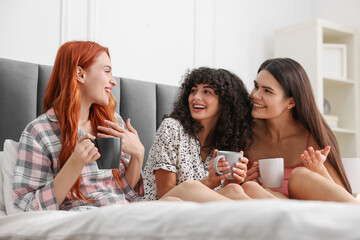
(22, 88)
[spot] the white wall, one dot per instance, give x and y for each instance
(158, 40)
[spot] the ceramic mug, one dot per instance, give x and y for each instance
(110, 152)
(271, 172)
(231, 157)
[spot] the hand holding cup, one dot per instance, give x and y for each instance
(237, 165)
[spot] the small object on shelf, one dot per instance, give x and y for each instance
(334, 61)
(332, 120)
(327, 107)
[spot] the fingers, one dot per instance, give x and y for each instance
(86, 136)
(130, 127)
(253, 172)
(85, 150)
(325, 151)
(244, 160)
(222, 177)
(252, 177)
(239, 171)
(94, 154)
(215, 153)
(223, 165)
(112, 130)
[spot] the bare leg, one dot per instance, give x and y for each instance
(276, 194)
(194, 191)
(170, 199)
(233, 191)
(305, 184)
(254, 190)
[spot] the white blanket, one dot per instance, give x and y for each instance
(255, 219)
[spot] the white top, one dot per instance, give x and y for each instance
(175, 151)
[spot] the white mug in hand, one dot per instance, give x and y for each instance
(271, 172)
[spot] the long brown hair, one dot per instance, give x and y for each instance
(295, 82)
(63, 94)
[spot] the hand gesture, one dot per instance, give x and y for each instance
(130, 142)
(314, 160)
(253, 173)
(214, 180)
(85, 150)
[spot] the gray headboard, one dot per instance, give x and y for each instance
(22, 88)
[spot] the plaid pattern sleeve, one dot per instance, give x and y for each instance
(33, 187)
(131, 194)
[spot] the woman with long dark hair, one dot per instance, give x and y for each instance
(288, 124)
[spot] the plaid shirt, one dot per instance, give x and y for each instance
(37, 166)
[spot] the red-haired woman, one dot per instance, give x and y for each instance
(56, 166)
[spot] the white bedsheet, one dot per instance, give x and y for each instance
(256, 219)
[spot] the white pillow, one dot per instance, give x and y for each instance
(9, 161)
(2, 202)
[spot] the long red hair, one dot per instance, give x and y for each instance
(63, 94)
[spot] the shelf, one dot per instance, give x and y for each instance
(308, 43)
(343, 130)
(337, 80)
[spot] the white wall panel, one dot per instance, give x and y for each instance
(148, 40)
(158, 40)
(29, 30)
(75, 20)
(245, 31)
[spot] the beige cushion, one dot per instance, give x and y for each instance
(2, 202)
(9, 161)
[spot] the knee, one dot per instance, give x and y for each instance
(250, 186)
(296, 179)
(191, 184)
(170, 199)
(234, 188)
(297, 174)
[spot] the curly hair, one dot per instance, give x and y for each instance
(233, 130)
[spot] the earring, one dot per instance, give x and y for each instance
(289, 107)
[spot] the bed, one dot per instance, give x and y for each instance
(21, 90)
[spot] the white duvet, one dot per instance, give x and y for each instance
(255, 219)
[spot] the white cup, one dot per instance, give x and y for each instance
(271, 172)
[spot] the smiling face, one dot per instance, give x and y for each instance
(97, 81)
(268, 97)
(204, 104)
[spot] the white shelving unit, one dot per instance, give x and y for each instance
(305, 43)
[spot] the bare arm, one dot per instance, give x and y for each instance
(165, 181)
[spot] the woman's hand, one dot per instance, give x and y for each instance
(85, 151)
(130, 141)
(253, 173)
(314, 160)
(239, 170)
(214, 180)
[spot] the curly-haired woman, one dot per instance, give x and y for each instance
(213, 111)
